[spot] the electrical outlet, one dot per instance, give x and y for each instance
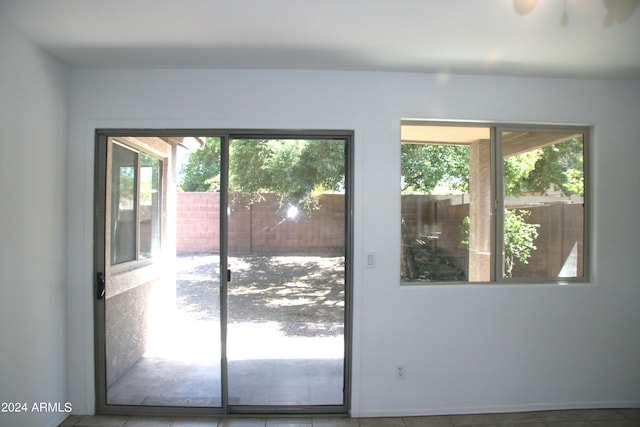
(401, 372)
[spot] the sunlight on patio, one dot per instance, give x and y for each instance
(190, 332)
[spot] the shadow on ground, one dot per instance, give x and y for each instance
(303, 293)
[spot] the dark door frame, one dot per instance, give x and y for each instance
(225, 135)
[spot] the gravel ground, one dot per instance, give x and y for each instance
(303, 293)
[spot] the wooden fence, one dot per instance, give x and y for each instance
(437, 221)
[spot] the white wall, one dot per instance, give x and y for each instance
(466, 348)
(34, 107)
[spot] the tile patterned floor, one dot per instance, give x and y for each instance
(270, 382)
(567, 418)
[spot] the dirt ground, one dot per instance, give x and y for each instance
(304, 293)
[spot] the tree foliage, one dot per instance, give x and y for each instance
(202, 170)
(293, 169)
(425, 167)
(518, 238)
(517, 170)
(559, 167)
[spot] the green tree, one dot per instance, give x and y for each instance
(560, 167)
(517, 170)
(202, 170)
(518, 239)
(424, 167)
(293, 169)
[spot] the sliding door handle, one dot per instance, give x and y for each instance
(100, 285)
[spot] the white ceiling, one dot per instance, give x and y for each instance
(592, 39)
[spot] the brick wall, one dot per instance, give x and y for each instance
(260, 227)
(198, 223)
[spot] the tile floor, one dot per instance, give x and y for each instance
(270, 382)
(566, 418)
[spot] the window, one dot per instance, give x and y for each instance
(492, 203)
(150, 216)
(136, 204)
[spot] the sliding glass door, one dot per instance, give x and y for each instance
(222, 272)
(287, 252)
(160, 308)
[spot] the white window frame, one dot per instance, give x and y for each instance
(497, 192)
(138, 259)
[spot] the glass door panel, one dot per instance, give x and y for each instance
(162, 298)
(286, 255)
(175, 333)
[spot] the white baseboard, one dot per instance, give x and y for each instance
(415, 412)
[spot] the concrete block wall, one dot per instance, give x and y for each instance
(262, 227)
(198, 223)
(259, 227)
